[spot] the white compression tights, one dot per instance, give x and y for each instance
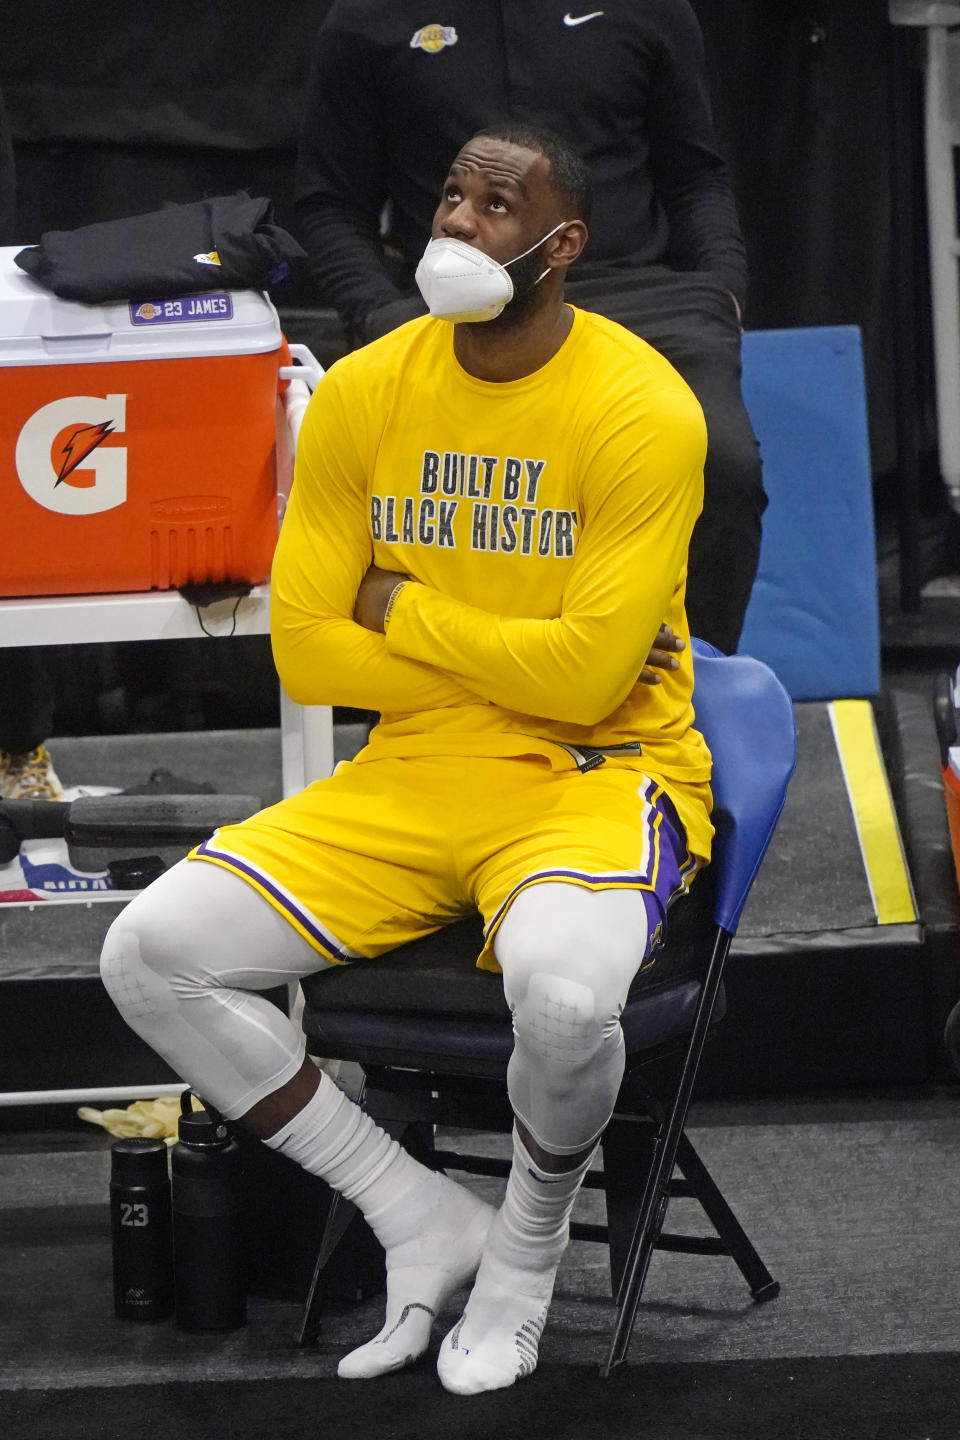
(180, 963)
(568, 956)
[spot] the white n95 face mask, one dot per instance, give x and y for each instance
(463, 285)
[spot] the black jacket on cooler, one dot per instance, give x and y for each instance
(393, 97)
(226, 242)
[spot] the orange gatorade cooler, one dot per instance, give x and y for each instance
(137, 439)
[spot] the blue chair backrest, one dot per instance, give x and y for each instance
(746, 717)
(814, 612)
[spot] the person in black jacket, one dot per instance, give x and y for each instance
(390, 98)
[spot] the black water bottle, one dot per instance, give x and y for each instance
(208, 1240)
(141, 1228)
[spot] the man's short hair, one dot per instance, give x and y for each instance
(569, 175)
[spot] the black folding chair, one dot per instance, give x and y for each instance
(432, 1034)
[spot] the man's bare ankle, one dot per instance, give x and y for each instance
(551, 1164)
(276, 1110)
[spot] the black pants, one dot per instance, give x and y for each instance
(26, 699)
(690, 319)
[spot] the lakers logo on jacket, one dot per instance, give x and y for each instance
(433, 38)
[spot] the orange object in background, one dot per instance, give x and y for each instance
(951, 790)
(138, 440)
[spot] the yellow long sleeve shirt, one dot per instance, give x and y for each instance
(547, 522)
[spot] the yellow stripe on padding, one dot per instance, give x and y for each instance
(855, 736)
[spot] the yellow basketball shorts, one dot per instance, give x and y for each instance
(388, 850)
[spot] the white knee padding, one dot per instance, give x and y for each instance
(594, 938)
(557, 1020)
(568, 956)
(567, 1063)
(141, 995)
(180, 963)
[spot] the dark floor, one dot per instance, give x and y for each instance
(850, 1199)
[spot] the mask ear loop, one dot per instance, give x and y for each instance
(532, 247)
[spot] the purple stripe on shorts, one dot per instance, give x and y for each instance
(283, 901)
(666, 876)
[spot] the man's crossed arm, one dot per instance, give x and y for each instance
(378, 586)
(328, 600)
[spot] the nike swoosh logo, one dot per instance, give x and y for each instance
(569, 19)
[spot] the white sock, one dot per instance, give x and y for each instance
(496, 1340)
(432, 1229)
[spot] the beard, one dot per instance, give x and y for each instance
(524, 273)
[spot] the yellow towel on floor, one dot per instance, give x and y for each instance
(154, 1119)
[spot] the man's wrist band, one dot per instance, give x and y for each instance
(392, 600)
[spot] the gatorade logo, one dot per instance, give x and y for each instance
(61, 444)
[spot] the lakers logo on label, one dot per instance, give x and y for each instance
(67, 436)
(433, 38)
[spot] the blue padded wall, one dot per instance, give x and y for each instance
(813, 616)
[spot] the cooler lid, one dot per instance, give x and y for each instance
(38, 328)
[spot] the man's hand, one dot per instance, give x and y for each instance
(376, 587)
(666, 646)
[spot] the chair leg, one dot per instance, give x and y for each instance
(636, 1262)
(340, 1216)
(629, 1147)
(656, 1191)
(761, 1282)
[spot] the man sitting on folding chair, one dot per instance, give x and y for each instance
(489, 522)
